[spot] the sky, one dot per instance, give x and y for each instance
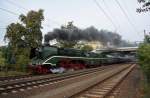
(83, 13)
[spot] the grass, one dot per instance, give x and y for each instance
(12, 73)
(145, 88)
(146, 91)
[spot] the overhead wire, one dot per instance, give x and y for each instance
(107, 8)
(127, 8)
(17, 5)
(126, 15)
(20, 6)
(106, 15)
(8, 11)
(133, 19)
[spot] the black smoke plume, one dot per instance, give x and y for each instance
(88, 34)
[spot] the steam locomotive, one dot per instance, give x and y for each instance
(50, 59)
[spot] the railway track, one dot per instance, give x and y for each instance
(14, 78)
(58, 86)
(11, 79)
(105, 87)
(28, 82)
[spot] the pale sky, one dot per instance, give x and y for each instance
(84, 13)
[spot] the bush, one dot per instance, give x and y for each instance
(22, 59)
(144, 59)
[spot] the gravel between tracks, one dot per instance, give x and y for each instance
(130, 86)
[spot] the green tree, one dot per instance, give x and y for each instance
(145, 6)
(14, 34)
(87, 48)
(144, 59)
(33, 24)
(68, 42)
(2, 60)
(144, 56)
(3, 57)
(147, 39)
(24, 36)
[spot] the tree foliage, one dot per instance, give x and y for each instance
(70, 28)
(66, 44)
(144, 57)
(87, 48)
(145, 6)
(33, 24)
(147, 39)
(66, 36)
(23, 36)
(2, 59)
(6, 54)
(14, 34)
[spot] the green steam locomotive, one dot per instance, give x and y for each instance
(50, 59)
